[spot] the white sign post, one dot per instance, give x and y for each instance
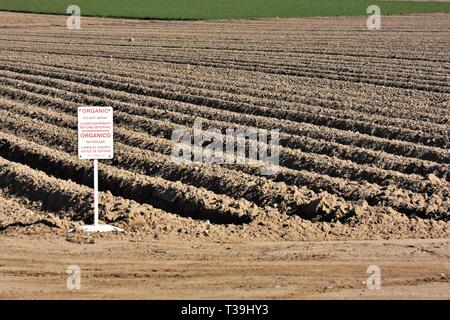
(95, 141)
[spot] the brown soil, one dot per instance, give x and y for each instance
(112, 268)
(364, 155)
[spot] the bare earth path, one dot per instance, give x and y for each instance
(123, 269)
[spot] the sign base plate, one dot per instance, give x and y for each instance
(100, 228)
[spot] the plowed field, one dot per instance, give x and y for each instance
(364, 120)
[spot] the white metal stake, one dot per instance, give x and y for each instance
(95, 192)
(96, 227)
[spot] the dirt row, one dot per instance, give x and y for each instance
(368, 102)
(289, 56)
(43, 204)
(289, 158)
(248, 65)
(421, 127)
(145, 222)
(350, 190)
(374, 129)
(161, 109)
(70, 205)
(173, 196)
(243, 97)
(233, 183)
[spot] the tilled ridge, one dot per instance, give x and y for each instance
(198, 204)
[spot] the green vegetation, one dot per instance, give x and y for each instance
(219, 9)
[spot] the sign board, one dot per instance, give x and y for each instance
(95, 133)
(95, 141)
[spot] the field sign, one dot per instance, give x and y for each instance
(95, 133)
(95, 141)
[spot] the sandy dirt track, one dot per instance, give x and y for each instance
(35, 268)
